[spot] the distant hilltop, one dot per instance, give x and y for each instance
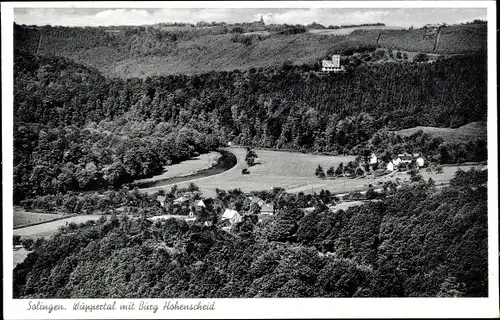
(164, 49)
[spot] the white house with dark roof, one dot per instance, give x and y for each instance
(232, 216)
(420, 161)
(405, 157)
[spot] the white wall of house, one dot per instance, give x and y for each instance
(420, 161)
(390, 166)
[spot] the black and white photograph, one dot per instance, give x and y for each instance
(177, 158)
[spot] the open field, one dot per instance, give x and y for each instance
(274, 169)
(295, 173)
(471, 131)
(47, 229)
(24, 218)
(185, 168)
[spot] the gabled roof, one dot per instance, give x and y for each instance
(255, 199)
(181, 199)
(200, 204)
(405, 156)
(267, 207)
(230, 214)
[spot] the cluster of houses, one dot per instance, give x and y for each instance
(229, 216)
(403, 158)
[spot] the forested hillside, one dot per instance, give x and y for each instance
(415, 242)
(281, 107)
(161, 50)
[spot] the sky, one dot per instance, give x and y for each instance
(398, 17)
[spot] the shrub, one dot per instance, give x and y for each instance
(421, 57)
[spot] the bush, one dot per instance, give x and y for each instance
(27, 243)
(371, 194)
(245, 171)
(421, 57)
(237, 30)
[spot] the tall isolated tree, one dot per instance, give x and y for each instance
(320, 173)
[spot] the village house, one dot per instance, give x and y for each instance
(257, 200)
(373, 158)
(419, 160)
(405, 157)
(181, 199)
(161, 200)
(197, 206)
(267, 209)
(232, 216)
(391, 166)
(200, 204)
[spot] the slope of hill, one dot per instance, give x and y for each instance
(140, 52)
(468, 132)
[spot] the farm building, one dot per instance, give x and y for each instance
(200, 204)
(232, 216)
(420, 161)
(332, 65)
(267, 209)
(391, 166)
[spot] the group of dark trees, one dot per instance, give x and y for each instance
(413, 242)
(352, 169)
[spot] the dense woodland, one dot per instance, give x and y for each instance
(77, 130)
(415, 241)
